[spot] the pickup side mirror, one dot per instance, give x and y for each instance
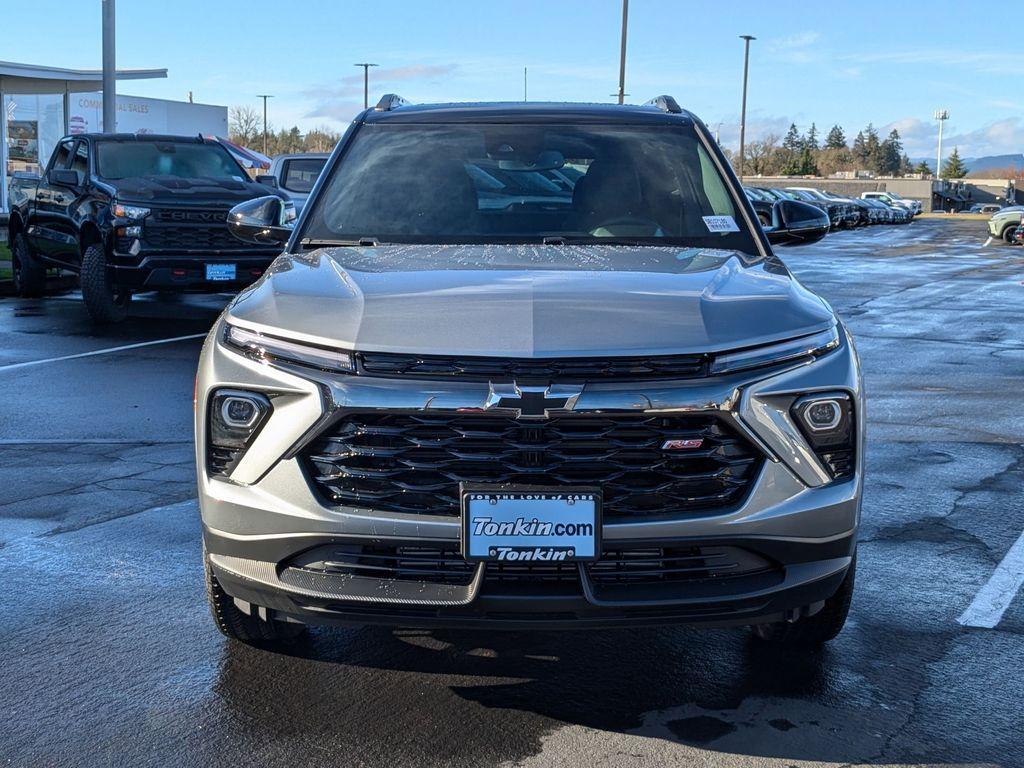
(265, 220)
(796, 223)
(268, 179)
(64, 177)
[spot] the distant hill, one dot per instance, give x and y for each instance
(978, 165)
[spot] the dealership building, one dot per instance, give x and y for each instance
(42, 104)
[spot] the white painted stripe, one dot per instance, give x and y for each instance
(992, 600)
(108, 351)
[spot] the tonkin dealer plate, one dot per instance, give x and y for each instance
(527, 524)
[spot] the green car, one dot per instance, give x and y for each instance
(1003, 223)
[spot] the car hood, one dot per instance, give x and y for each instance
(178, 190)
(530, 301)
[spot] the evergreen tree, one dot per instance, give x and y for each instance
(836, 139)
(889, 153)
(923, 168)
(806, 164)
(905, 165)
(792, 146)
(872, 149)
(811, 139)
(954, 167)
(860, 152)
(792, 141)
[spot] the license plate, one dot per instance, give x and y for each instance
(526, 524)
(220, 271)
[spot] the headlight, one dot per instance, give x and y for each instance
(235, 417)
(814, 345)
(270, 348)
(130, 211)
(827, 421)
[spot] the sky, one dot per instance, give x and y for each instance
(888, 63)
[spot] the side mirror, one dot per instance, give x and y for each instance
(268, 179)
(796, 223)
(64, 177)
(265, 220)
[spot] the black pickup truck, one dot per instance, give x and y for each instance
(133, 213)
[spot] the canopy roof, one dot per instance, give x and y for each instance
(31, 78)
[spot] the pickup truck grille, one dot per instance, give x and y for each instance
(414, 462)
(524, 369)
(189, 229)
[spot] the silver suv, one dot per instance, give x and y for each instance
(529, 366)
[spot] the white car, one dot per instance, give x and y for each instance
(891, 198)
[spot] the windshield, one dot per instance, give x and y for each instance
(188, 160)
(489, 183)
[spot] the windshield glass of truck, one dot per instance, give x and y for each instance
(130, 160)
(523, 183)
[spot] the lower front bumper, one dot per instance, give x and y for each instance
(807, 574)
(187, 272)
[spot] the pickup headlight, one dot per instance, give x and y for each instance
(134, 212)
(815, 345)
(260, 346)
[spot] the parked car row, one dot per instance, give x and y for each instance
(843, 212)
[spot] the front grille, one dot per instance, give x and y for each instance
(675, 564)
(189, 230)
(580, 369)
(414, 462)
(434, 565)
(220, 460)
(840, 462)
(618, 566)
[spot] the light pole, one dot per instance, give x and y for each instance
(109, 69)
(743, 110)
(524, 84)
(264, 96)
(622, 53)
(942, 115)
(366, 82)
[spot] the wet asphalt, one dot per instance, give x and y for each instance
(108, 655)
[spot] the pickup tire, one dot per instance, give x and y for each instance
(238, 625)
(819, 628)
(29, 276)
(105, 303)
(1008, 231)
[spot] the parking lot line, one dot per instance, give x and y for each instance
(96, 352)
(992, 600)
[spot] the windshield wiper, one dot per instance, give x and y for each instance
(368, 242)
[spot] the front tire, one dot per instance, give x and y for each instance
(235, 624)
(29, 276)
(819, 628)
(105, 302)
(1008, 234)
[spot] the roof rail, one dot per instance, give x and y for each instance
(390, 101)
(665, 104)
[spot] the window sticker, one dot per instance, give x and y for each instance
(720, 224)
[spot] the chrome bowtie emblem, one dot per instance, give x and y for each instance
(532, 402)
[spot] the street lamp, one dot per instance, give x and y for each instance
(743, 110)
(622, 53)
(366, 82)
(264, 96)
(942, 115)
